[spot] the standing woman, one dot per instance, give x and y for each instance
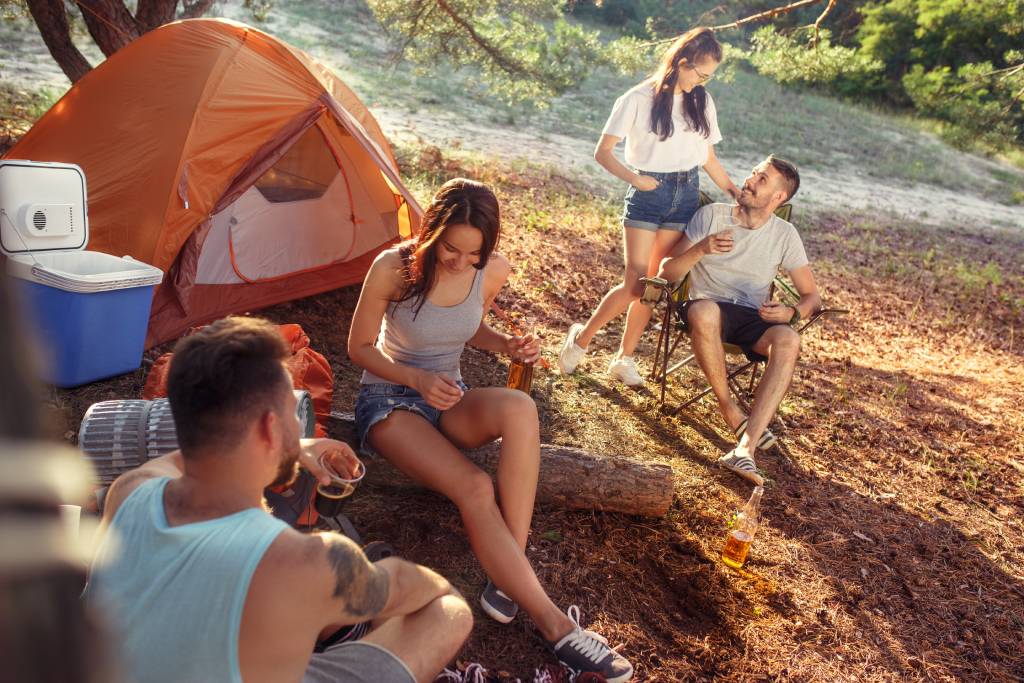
(421, 303)
(670, 126)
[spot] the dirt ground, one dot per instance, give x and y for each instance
(890, 547)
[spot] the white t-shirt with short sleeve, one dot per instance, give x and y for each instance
(645, 150)
(744, 275)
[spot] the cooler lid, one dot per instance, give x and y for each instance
(42, 207)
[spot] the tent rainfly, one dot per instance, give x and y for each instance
(237, 164)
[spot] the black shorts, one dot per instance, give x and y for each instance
(741, 325)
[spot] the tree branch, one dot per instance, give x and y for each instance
(421, 10)
(767, 14)
(110, 23)
(493, 52)
(1013, 101)
(1008, 71)
(821, 18)
(760, 16)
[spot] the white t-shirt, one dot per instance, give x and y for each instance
(744, 275)
(645, 151)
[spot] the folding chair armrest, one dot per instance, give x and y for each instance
(788, 293)
(821, 313)
(655, 288)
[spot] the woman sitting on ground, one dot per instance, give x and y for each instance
(421, 303)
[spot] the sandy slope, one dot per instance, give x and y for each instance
(826, 188)
(25, 63)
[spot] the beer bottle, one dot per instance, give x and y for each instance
(520, 375)
(737, 543)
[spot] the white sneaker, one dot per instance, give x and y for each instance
(623, 368)
(570, 355)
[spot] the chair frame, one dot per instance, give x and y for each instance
(675, 294)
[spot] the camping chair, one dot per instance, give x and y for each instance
(673, 329)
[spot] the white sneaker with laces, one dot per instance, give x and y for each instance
(570, 355)
(623, 368)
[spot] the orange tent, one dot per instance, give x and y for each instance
(237, 164)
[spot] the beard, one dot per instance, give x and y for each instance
(749, 200)
(288, 470)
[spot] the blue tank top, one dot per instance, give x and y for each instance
(174, 595)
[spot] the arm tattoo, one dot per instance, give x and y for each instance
(363, 586)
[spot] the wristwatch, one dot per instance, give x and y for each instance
(796, 316)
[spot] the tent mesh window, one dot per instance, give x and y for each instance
(304, 172)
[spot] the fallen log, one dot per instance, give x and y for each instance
(569, 477)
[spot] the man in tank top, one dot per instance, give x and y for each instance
(202, 584)
(732, 254)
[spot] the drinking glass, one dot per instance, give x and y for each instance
(330, 497)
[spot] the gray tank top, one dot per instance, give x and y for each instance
(432, 339)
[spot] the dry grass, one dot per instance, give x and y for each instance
(890, 547)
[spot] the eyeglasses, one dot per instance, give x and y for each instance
(704, 78)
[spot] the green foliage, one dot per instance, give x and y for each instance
(259, 9)
(13, 9)
(975, 279)
(789, 59)
(20, 108)
(934, 33)
(525, 50)
(973, 96)
(656, 18)
(630, 55)
(948, 59)
(954, 61)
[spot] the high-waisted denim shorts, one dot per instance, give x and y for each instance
(376, 401)
(669, 206)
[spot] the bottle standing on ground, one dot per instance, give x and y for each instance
(421, 303)
(737, 543)
(670, 126)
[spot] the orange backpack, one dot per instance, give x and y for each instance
(310, 372)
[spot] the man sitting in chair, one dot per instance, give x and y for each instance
(733, 254)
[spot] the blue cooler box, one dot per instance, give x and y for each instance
(88, 310)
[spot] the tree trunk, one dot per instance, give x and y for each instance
(191, 10)
(52, 22)
(153, 13)
(110, 24)
(569, 477)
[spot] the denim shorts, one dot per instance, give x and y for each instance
(669, 206)
(376, 401)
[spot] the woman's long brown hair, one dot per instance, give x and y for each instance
(460, 201)
(693, 46)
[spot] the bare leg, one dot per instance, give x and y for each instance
(638, 244)
(428, 639)
(781, 343)
(413, 445)
(484, 415)
(705, 321)
(639, 314)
